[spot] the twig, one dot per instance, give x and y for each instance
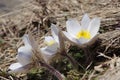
(91, 75)
(89, 65)
(84, 75)
(110, 45)
(3, 78)
(101, 54)
(11, 78)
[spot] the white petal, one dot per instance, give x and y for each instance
(53, 48)
(91, 41)
(26, 40)
(47, 53)
(70, 38)
(73, 26)
(16, 67)
(55, 32)
(85, 22)
(94, 26)
(48, 38)
(19, 68)
(83, 41)
(24, 55)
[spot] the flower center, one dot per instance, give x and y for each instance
(83, 34)
(49, 43)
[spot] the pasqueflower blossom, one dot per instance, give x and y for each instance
(52, 44)
(24, 56)
(83, 32)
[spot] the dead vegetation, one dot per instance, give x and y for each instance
(35, 16)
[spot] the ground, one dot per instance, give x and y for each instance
(35, 16)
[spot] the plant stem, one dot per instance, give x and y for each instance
(73, 61)
(89, 55)
(63, 51)
(52, 70)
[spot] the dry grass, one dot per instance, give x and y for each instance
(36, 16)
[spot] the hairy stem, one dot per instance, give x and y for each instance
(63, 51)
(52, 70)
(72, 60)
(89, 55)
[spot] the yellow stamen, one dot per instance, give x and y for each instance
(50, 42)
(83, 34)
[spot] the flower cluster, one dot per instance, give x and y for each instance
(83, 33)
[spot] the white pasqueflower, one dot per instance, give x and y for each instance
(83, 32)
(52, 44)
(24, 56)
